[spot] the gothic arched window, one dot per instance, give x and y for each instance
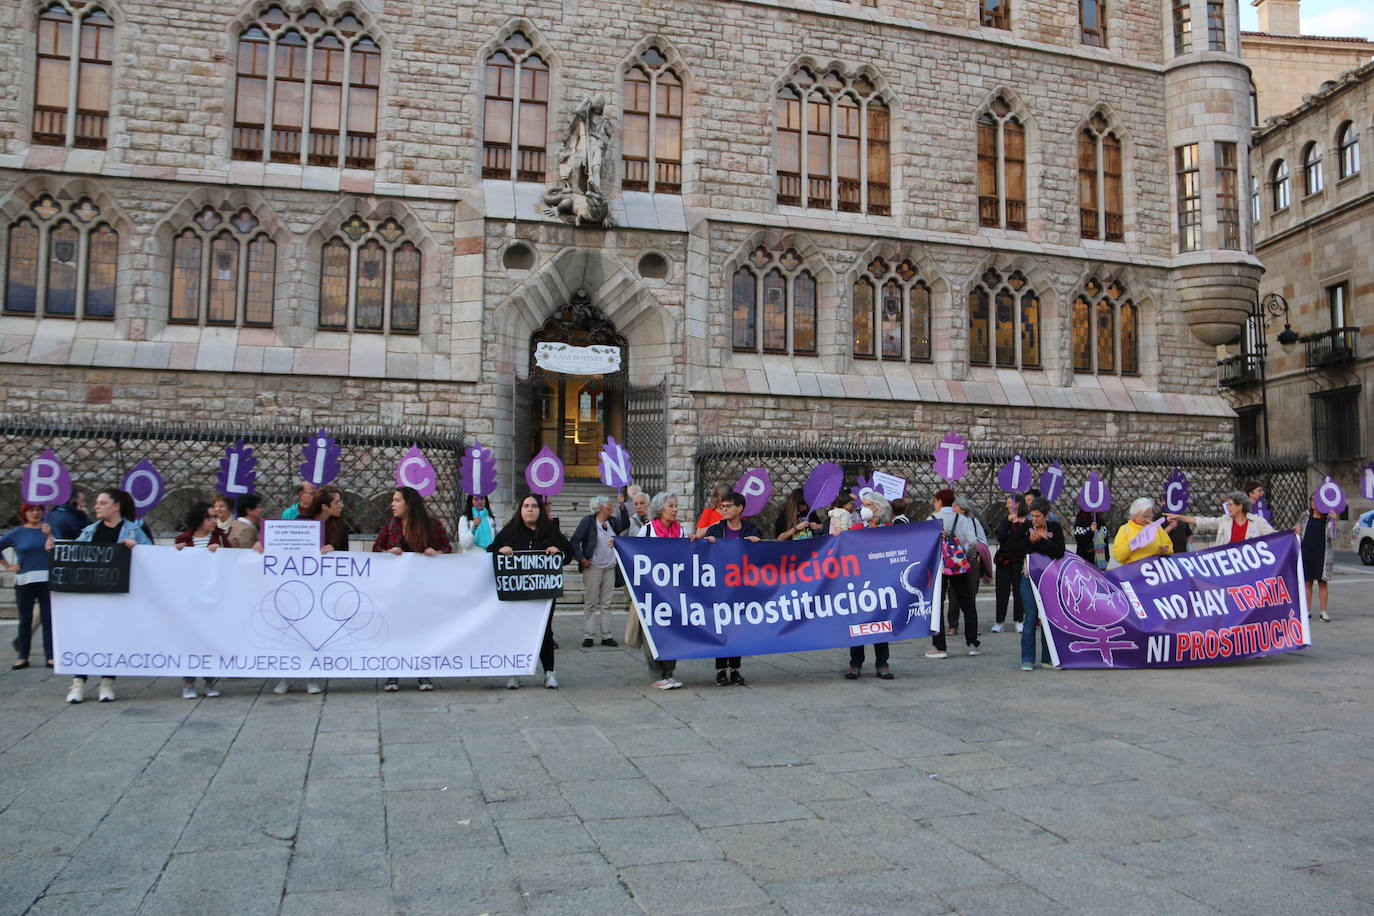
(370, 278)
(1106, 330)
(1101, 202)
(1312, 179)
(652, 152)
(516, 112)
(1004, 322)
(1282, 189)
(832, 143)
(1001, 168)
(891, 313)
(71, 104)
(773, 304)
(61, 262)
(307, 91)
(223, 271)
(1348, 149)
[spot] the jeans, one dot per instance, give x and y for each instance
(1008, 579)
(1032, 626)
(660, 667)
(961, 590)
(24, 597)
(599, 585)
(856, 655)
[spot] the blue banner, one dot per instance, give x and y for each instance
(701, 600)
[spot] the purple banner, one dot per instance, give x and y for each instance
(1241, 600)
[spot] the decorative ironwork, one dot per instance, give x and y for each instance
(1129, 473)
(98, 453)
(1334, 346)
(1235, 371)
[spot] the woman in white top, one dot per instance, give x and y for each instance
(663, 523)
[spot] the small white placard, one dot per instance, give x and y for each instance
(598, 359)
(292, 536)
(890, 486)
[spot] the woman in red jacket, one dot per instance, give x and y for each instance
(411, 530)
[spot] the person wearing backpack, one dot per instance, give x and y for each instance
(958, 550)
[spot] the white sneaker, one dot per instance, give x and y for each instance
(997, 628)
(106, 693)
(1020, 627)
(312, 687)
(664, 684)
(975, 651)
(675, 684)
(550, 681)
(77, 692)
(512, 683)
(282, 687)
(188, 692)
(212, 687)
(936, 653)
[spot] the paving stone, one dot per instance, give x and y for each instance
(810, 851)
(336, 903)
(610, 797)
(692, 887)
(891, 889)
(652, 840)
(226, 881)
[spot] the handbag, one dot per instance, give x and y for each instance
(952, 554)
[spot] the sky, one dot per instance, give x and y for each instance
(1323, 17)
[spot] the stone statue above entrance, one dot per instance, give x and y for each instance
(577, 196)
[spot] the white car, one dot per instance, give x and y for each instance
(1364, 538)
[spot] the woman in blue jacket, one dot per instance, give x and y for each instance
(29, 542)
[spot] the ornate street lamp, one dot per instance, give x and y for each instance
(1266, 310)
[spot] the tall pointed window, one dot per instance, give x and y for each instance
(307, 88)
(1092, 22)
(223, 271)
(1101, 203)
(1228, 195)
(891, 313)
(996, 14)
(1004, 322)
(370, 278)
(1348, 150)
(831, 143)
(516, 112)
(72, 92)
(1001, 168)
(653, 126)
(1106, 330)
(773, 304)
(61, 261)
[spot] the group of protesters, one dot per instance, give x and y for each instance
(967, 554)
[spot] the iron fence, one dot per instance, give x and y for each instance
(99, 454)
(1129, 474)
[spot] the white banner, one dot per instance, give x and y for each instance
(237, 613)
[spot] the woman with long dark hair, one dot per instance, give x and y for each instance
(201, 529)
(115, 523)
(31, 580)
(411, 530)
(327, 506)
(530, 528)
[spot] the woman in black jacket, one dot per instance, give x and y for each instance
(1008, 569)
(532, 529)
(1044, 537)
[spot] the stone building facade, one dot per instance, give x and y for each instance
(1019, 219)
(1287, 65)
(1314, 226)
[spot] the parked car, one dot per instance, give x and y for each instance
(1364, 538)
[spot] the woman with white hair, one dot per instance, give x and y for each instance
(876, 512)
(593, 549)
(663, 523)
(1238, 524)
(1141, 515)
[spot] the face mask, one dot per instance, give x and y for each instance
(866, 514)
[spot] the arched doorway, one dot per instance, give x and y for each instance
(577, 385)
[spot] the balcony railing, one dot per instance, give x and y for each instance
(1238, 370)
(1334, 346)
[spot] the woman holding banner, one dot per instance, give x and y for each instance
(1238, 524)
(29, 541)
(794, 521)
(326, 507)
(1141, 537)
(876, 512)
(1041, 535)
(732, 525)
(201, 529)
(411, 530)
(663, 523)
(1316, 532)
(477, 524)
(532, 529)
(114, 523)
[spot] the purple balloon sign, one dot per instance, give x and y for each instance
(864, 485)
(756, 487)
(144, 484)
(321, 459)
(46, 481)
(1015, 476)
(1176, 492)
(415, 471)
(477, 475)
(823, 485)
(1261, 508)
(1052, 482)
(1095, 496)
(1367, 480)
(545, 473)
(615, 464)
(1329, 496)
(236, 475)
(951, 457)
